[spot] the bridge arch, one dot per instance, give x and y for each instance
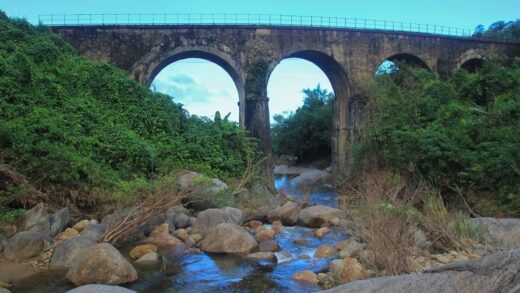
(471, 60)
(146, 70)
(408, 58)
(341, 85)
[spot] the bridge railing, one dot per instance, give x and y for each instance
(248, 19)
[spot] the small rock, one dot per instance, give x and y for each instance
(269, 246)
(325, 280)
(161, 237)
(254, 224)
(141, 250)
(196, 237)
(189, 242)
(81, 225)
(347, 270)
(68, 233)
(300, 241)
(304, 256)
(181, 234)
(335, 221)
(6, 285)
(149, 258)
(307, 276)
(264, 235)
(351, 248)
(283, 256)
(324, 251)
(442, 259)
(321, 232)
(93, 222)
(269, 256)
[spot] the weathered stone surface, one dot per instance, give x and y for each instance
(269, 246)
(307, 277)
(208, 219)
(325, 251)
(68, 233)
(4, 290)
(269, 256)
(202, 189)
(505, 232)
(178, 217)
(264, 235)
(321, 232)
(162, 238)
(37, 219)
(311, 176)
(59, 221)
(182, 234)
(351, 248)
(98, 288)
(94, 231)
(287, 214)
(101, 264)
(141, 250)
(499, 272)
(149, 258)
(315, 216)
(66, 251)
(288, 170)
(254, 224)
(26, 245)
(347, 270)
(81, 225)
(228, 238)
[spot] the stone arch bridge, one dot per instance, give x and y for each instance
(249, 53)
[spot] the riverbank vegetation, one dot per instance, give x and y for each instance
(79, 132)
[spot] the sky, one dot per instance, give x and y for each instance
(204, 87)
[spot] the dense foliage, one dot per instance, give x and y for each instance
(305, 133)
(72, 126)
(462, 133)
(500, 30)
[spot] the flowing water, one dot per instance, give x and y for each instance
(225, 273)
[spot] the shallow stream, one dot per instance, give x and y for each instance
(225, 273)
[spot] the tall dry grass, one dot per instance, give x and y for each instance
(384, 210)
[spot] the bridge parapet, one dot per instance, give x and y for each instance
(180, 19)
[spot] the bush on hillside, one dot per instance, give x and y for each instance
(462, 133)
(73, 126)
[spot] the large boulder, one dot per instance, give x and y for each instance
(228, 238)
(26, 245)
(66, 251)
(287, 214)
(100, 264)
(178, 217)
(94, 231)
(138, 233)
(310, 177)
(98, 288)
(257, 202)
(208, 219)
(59, 221)
(202, 188)
(504, 232)
(162, 238)
(499, 272)
(317, 215)
(36, 219)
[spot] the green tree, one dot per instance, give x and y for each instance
(305, 133)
